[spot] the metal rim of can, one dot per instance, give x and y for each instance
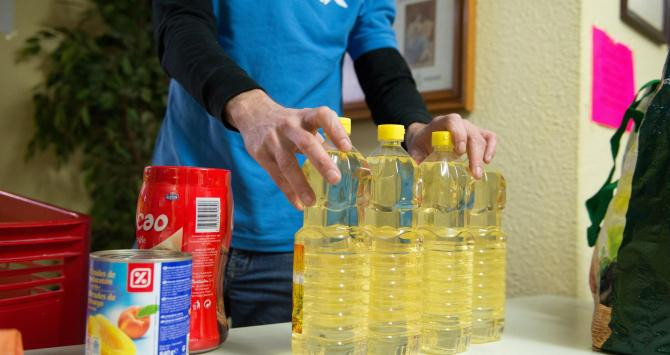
(140, 255)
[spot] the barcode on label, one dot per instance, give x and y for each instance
(207, 214)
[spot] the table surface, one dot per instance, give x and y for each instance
(534, 325)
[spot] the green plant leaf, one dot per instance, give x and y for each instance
(85, 116)
(45, 33)
(147, 310)
(145, 93)
(107, 100)
(125, 66)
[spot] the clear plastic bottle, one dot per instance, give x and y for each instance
(394, 323)
(484, 220)
(443, 191)
(331, 265)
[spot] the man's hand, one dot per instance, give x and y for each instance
(480, 144)
(273, 134)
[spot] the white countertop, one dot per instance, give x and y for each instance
(534, 325)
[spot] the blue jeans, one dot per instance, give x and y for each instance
(258, 287)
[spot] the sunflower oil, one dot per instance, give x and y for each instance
(394, 322)
(484, 220)
(443, 190)
(331, 262)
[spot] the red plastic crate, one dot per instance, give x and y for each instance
(43, 271)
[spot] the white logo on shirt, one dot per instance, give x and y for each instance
(341, 3)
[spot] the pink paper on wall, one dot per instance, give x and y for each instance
(613, 86)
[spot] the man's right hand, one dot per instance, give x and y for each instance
(273, 134)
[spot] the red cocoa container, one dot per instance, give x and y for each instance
(190, 209)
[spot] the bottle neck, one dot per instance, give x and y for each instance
(329, 142)
(443, 148)
(390, 143)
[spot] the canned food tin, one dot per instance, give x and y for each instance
(138, 302)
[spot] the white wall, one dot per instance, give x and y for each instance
(527, 91)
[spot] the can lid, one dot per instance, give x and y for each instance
(140, 255)
(188, 175)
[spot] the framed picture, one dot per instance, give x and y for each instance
(437, 39)
(649, 17)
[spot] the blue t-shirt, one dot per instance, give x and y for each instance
(294, 50)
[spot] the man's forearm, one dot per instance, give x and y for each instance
(185, 32)
(389, 88)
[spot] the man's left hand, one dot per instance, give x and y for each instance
(480, 144)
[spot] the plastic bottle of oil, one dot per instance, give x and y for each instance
(394, 322)
(484, 220)
(331, 267)
(443, 192)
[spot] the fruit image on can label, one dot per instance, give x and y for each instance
(106, 338)
(135, 320)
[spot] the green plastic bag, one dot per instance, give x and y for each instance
(631, 262)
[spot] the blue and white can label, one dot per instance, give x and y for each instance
(138, 302)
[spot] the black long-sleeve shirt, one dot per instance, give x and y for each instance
(185, 33)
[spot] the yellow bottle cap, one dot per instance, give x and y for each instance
(442, 139)
(390, 132)
(346, 123)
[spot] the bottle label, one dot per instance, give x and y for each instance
(298, 278)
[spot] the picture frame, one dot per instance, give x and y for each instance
(437, 39)
(648, 17)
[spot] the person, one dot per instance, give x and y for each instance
(252, 83)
